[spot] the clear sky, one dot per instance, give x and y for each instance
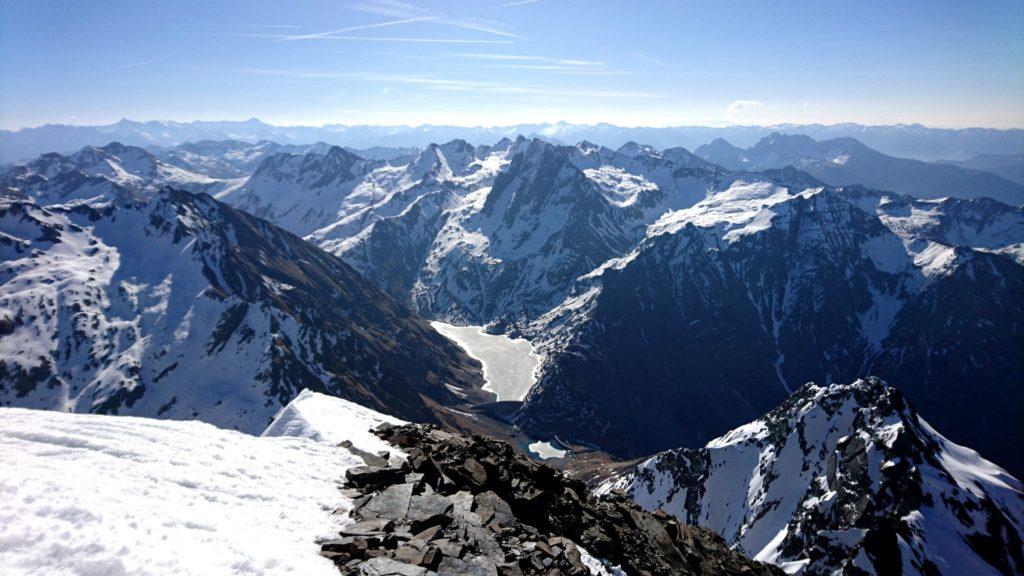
(640, 62)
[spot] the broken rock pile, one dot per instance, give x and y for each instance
(472, 505)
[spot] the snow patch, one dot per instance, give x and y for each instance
(90, 494)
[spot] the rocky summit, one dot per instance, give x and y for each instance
(472, 505)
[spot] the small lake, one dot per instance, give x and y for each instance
(509, 364)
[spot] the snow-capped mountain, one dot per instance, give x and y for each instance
(182, 307)
(845, 162)
(508, 240)
(301, 192)
(333, 194)
(113, 172)
(659, 268)
(726, 306)
(220, 158)
(641, 275)
(236, 158)
(843, 479)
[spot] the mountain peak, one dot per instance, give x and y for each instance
(838, 477)
(789, 141)
(632, 149)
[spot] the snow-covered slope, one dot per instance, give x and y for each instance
(183, 307)
(801, 283)
(237, 158)
(89, 494)
(113, 172)
(335, 194)
(329, 420)
(507, 240)
(302, 192)
(661, 260)
(843, 479)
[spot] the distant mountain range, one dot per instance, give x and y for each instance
(671, 297)
(905, 141)
(1009, 166)
(846, 161)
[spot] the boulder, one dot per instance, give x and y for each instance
(372, 477)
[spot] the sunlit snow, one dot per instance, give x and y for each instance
(89, 494)
(509, 364)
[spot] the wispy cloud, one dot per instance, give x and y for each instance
(390, 8)
(428, 82)
(414, 39)
(134, 65)
(517, 3)
(739, 106)
(647, 58)
(526, 58)
(330, 33)
(223, 25)
(405, 13)
(479, 27)
(531, 62)
(566, 69)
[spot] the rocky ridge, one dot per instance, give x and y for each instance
(472, 505)
(843, 479)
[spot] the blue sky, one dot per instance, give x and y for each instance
(940, 63)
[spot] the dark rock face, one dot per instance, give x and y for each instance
(395, 247)
(471, 505)
(697, 334)
(545, 225)
(959, 346)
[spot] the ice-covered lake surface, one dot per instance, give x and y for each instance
(509, 364)
(546, 450)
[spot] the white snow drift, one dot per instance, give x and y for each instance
(88, 494)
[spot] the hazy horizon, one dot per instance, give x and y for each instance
(515, 125)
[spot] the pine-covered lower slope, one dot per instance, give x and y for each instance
(843, 479)
(183, 307)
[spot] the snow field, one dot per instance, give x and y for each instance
(115, 495)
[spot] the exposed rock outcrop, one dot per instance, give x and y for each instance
(471, 505)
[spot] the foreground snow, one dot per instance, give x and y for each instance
(510, 365)
(87, 494)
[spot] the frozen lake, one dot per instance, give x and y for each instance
(509, 364)
(546, 450)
